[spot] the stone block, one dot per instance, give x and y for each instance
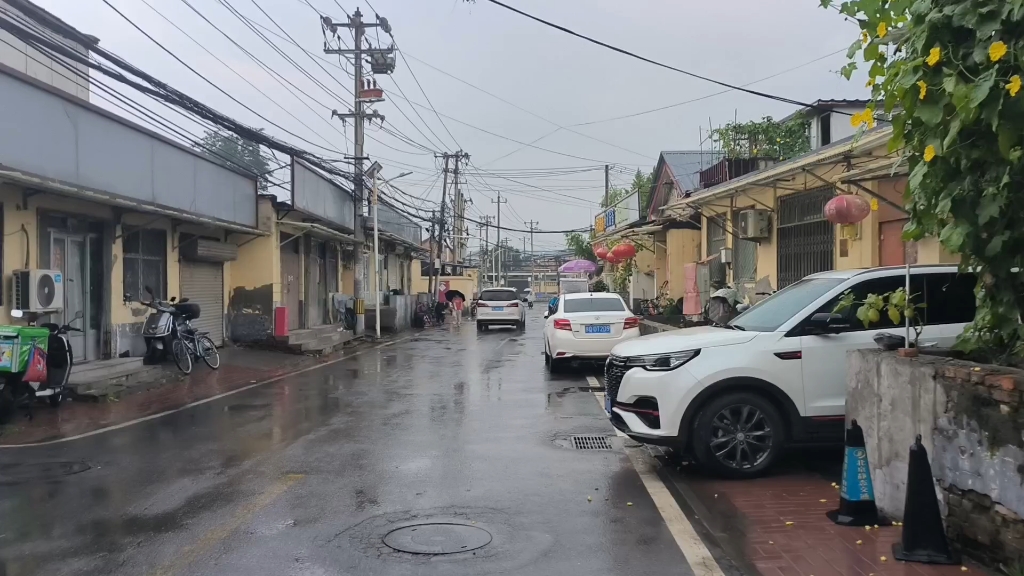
(982, 500)
(1006, 396)
(1006, 513)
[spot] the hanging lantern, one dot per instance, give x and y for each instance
(847, 209)
(613, 259)
(624, 251)
(601, 252)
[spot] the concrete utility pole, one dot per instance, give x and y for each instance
(430, 268)
(499, 202)
(363, 96)
(532, 225)
(438, 263)
(457, 157)
(486, 225)
(607, 185)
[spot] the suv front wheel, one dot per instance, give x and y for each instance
(738, 435)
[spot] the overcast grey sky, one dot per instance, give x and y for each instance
(555, 76)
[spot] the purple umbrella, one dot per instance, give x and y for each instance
(578, 267)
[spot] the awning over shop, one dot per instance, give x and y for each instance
(623, 233)
(795, 173)
(317, 230)
(32, 182)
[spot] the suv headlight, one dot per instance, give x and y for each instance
(662, 362)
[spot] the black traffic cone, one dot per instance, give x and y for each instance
(924, 539)
(856, 494)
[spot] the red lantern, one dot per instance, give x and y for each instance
(613, 259)
(847, 209)
(601, 252)
(624, 251)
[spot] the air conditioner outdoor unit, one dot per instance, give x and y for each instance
(38, 290)
(755, 224)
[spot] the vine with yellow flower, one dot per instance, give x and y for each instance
(947, 75)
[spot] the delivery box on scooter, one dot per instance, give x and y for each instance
(16, 344)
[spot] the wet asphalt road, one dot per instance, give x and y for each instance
(307, 475)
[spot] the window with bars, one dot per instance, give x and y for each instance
(806, 239)
(145, 263)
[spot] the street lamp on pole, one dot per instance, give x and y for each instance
(373, 172)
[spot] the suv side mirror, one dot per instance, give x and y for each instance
(825, 323)
(546, 314)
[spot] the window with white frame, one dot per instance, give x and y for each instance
(145, 263)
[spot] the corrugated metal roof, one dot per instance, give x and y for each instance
(837, 149)
(687, 164)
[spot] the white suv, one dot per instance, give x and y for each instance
(500, 307)
(733, 397)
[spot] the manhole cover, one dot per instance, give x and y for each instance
(26, 471)
(590, 442)
(437, 538)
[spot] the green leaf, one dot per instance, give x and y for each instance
(954, 131)
(996, 245)
(862, 315)
(952, 237)
(981, 88)
(929, 113)
(826, 3)
(989, 208)
(853, 49)
(894, 314)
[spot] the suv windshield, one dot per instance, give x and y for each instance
(772, 312)
(593, 305)
(498, 295)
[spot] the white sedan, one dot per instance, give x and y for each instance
(586, 326)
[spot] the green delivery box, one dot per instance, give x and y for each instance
(16, 343)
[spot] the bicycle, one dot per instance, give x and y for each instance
(190, 344)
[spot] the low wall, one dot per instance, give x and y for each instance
(651, 327)
(970, 420)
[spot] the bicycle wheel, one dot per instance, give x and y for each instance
(208, 350)
(182, 356)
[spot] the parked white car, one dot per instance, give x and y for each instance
(500, 307)
(733, 397)
(586, 326)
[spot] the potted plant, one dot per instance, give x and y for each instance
(897, 305)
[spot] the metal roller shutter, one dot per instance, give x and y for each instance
(203, 283)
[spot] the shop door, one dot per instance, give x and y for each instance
(892, 251)
(203, 283)
(316, 289)
(291, 267)
(70, 255)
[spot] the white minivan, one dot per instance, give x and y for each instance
(733, 397)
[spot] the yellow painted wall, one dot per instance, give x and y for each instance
(929, 251)
(683, 247)
(259, 259)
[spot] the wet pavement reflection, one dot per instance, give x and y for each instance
(308, 474)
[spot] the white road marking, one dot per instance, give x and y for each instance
(203, 401)
(697, 554)
(592, 380)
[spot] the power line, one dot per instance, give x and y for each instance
(660, 64)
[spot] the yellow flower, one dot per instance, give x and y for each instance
(856, 120)
(924, 89)
(882, 30)
(1014, 85)
(934, 56)
(871, 82)
(929, 153)
(997, 50)
(865, 37)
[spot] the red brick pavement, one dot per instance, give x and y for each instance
(812, 545)
(239, 368)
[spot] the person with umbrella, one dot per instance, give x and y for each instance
(457, 299)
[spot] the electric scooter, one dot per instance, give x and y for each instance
(15, 391)
(158, 331)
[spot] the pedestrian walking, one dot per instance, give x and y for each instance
(457, 310)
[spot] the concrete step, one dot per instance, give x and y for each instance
(306, 335)
(327, 344)
(106, 377)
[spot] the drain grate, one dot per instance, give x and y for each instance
(590, 442)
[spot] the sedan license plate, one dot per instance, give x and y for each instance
(597, 329)
(498, 308)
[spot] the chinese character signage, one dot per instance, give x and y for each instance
(856, 476)
(624, 212)
(599, 224)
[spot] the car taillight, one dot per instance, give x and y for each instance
(563, 324)
(482, 305)
(513, 305)
(631, 322)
